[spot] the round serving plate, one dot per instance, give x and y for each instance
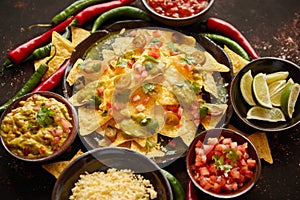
(178, 148)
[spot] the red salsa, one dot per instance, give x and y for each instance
(222, 165)
(179, 8)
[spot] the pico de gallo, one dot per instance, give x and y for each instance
(37, 128)
(179, 8)
(222, 165)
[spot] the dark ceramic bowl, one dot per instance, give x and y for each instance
(66, 144)
(235, 136)
(102, 159)
(264, 65)
(91, 141)
(170, 21)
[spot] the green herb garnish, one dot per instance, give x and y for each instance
(219, 163)
(44, 116)
(148, 88)
(231, 154)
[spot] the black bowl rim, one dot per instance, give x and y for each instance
(150, 9)
(222, 195)
(234, 85)
(67, 143)
(106, 150)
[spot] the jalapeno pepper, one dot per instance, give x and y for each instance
(120, 12)
(220, 39)
(177, 188)
(18, 54)
(232, 32)
(72, 9)
(95, 10)
(53, 80)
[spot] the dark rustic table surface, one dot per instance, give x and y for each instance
(271, 26)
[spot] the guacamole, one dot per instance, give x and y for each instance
(37, 128)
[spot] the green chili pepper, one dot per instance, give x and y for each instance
(228, 42)
(73, 9)
(120, 12)
(28, 86)
(177, 188)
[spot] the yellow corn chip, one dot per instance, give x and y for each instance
(238, 62)
(260, 141)
(57, 167)
(78, 35)
(61, 49)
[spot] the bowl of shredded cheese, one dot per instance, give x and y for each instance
(112, 173)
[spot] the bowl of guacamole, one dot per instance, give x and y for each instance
(38, 126)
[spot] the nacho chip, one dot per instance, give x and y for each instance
(74, 73)
(238, 62)
(260, 141)
(62, 48)
(212, 64)
(89, 120)
(56, 168)
(211, 121)
(78, 35)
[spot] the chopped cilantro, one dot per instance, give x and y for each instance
(219, 163)
(44, 116)
(148, 88)
(231, 154)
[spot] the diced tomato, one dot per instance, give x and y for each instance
(204, 171)
(65, 124)
(157, 33)
(140, 107)
(213, 158)
(251, 163)
(100, 91)
(227, 141)
(155, 53)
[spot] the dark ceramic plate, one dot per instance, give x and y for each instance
(264, 65)
(102, 159)
(235, 136)
(91, 140)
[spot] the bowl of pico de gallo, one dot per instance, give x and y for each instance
(223, 163)
(177, 13)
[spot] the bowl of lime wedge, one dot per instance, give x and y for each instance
(264, 94)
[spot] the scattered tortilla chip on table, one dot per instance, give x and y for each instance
(238, 62)
(78, 35)
(56, 168)
(260, 141)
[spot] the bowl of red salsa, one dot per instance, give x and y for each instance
(223, 163)
(177, 13)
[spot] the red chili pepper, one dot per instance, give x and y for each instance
(232, 32)
(53, 80)
(190, 193)
(95, 10)
(21, 52)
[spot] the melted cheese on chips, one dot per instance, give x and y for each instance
(151, 88)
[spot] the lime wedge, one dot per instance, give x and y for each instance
(282, 75)
(261, 90)
(265, 114)
(276, 91)
(276, 86)
(289, 98)
(246, 88)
